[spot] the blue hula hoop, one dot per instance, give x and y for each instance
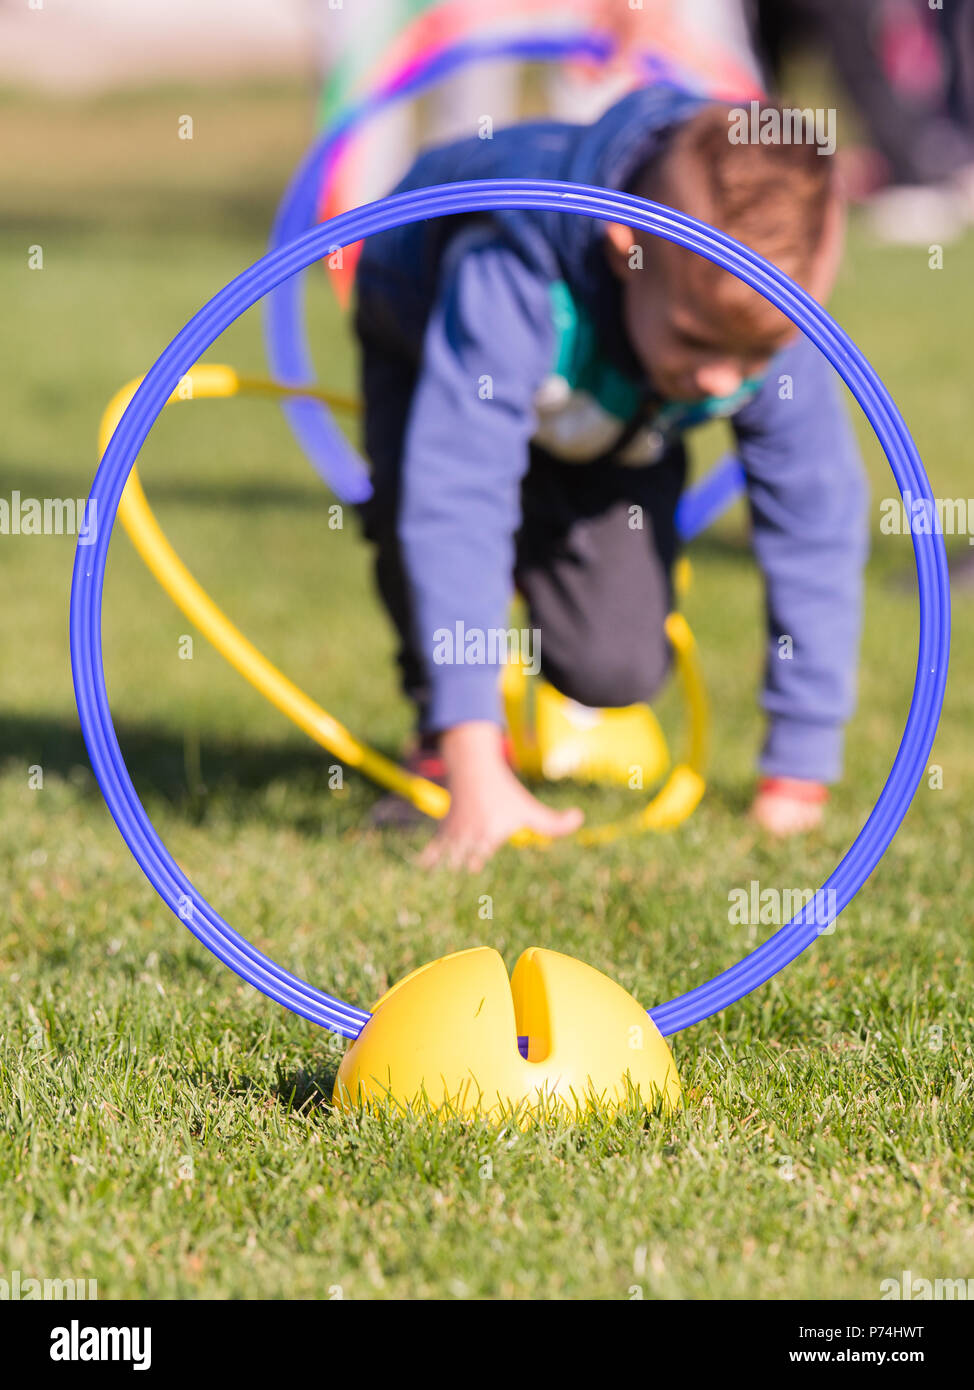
(484, 196)
(708, 499)
(285, 334)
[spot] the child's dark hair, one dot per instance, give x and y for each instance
(773, 197)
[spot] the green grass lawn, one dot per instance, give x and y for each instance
(166, 1130)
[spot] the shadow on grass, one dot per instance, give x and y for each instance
(295, 1090)
(231, 776)
(173, 767)
(189, 774)
(307, 1087)
(219, 495)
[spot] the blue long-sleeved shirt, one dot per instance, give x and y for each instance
(496, 310)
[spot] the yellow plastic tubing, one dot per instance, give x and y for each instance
(676, 799)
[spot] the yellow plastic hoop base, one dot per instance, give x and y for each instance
(446, 1038)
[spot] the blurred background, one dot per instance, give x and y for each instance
(903, 69)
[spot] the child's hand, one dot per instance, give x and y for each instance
(789, 805)
(487, 802)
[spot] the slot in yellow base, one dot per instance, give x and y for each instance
(446, 1037)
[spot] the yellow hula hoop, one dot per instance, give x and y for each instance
(673, 803)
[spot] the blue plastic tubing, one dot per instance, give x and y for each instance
(462, 198)
(288, 350)
(709, 498)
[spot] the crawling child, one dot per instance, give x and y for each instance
(528, 379)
